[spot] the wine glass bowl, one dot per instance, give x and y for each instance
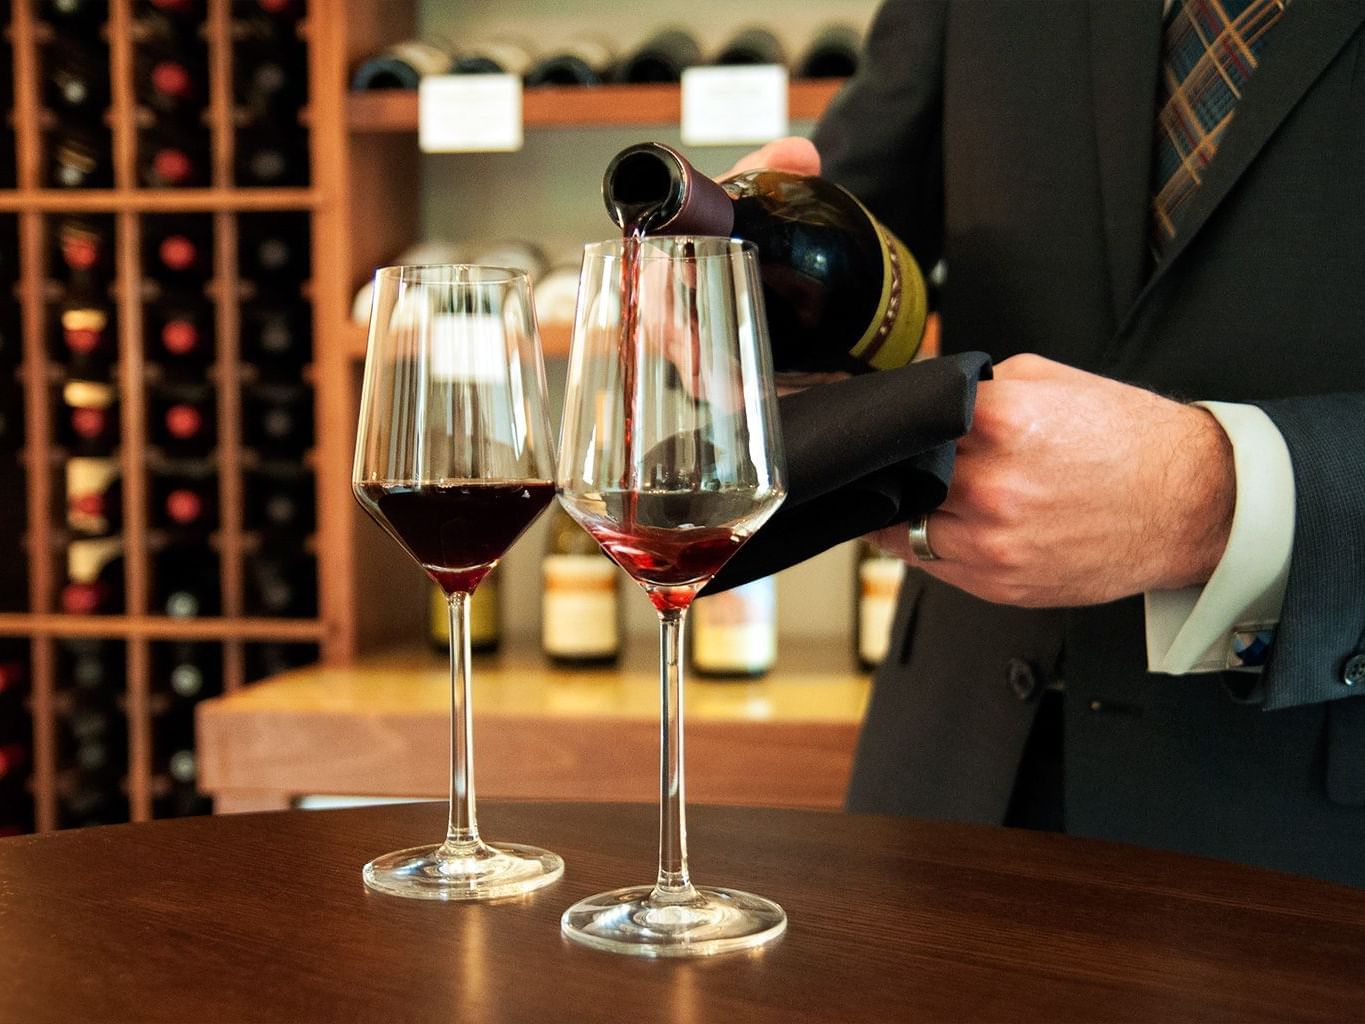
(670, 457)
(453, 459)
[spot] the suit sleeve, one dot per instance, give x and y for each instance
(882, 136)
(1322, 621)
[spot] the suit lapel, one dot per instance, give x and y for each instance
(1309, 35)
(1125, 40)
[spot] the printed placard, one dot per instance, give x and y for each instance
(469, 114)
(734, 106)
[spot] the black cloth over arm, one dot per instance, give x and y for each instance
(862, 453)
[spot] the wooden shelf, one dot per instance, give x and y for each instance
(380, 728)
(156, 627)
(554, 340)
(140, 200)
(577, 107)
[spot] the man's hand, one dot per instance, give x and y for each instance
(792, 153)
(1074, 489)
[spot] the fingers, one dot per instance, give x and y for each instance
(792, 153)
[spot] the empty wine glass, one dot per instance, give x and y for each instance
(453, 458)
(670, 457)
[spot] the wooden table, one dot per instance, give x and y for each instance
(381, 728)
(263, 917)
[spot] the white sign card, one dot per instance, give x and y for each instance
(469, 114)
(739, 105)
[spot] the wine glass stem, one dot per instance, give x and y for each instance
(673, 885)
(462, 831)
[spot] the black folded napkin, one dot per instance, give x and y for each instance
(862, 453)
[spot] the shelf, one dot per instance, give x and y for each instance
(554, 340)
(153, 627)
(189, 200)
(600, 106)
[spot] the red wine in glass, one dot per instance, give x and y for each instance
(457, 529)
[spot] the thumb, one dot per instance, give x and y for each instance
(793, 154)
(1028, 366)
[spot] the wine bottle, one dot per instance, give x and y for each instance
(186, 578)
(94, 497)
(279, 500)
(281, 584)
(88, 342)
(184, 674)
(177, 780)
(181, 419)
(76, 79)
(877, 587)
(752, 46)
(273, 250)
(88, 424)
(172, 81)
(661, 58)
(83, 252)
(277, 418)
(94, 572)
(832, 54)
(485, 618)
(84, 800)
(178, 159)
(184, 498)
(581, 597)
(269, 69)
(270, 659)
(91, 665)
(496, 56)
(75, 19)
(13, 677)
(841, 292)
(180, 333)
(178, 250)
(734, 633)
(285, 14)
(14, 758)
(80, 157)
(277, 337)
(267, 157)
(582, 60)
(182, 17)
(401, 66)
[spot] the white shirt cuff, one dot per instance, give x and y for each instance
(1191, 630)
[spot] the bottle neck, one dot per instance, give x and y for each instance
(652, 189)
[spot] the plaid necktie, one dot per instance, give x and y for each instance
(1209, 50)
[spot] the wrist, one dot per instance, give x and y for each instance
(1200, 501)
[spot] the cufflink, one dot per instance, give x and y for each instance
(1250, 645)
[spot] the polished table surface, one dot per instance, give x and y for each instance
(263, 917)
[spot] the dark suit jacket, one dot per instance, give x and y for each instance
(1014, 139)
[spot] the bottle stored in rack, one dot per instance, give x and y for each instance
(186, 581)
(279, 499)
(94, 497)
(95, 574)
(184, 498)
(277, 418)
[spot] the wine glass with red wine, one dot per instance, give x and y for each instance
(453, 459)
(670, 457)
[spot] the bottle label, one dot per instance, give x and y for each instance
(879, 582)
(894, 335)
(579, 616)
(87, 481)
(736, 631)
(85, 558)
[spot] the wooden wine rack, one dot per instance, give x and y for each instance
(127, 203)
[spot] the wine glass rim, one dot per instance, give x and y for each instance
(714, 247)
(472, 275)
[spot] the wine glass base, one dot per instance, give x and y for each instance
(633, 922)
(486, 873)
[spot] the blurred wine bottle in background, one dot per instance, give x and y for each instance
(92, 741)
(181, 419)
(734, 633)
(501, 55)
(270, 89)
(87, 418)
(581, 606)
(94, 577)
(401, 66)
(661, 58)
(280, 499)
(184, 499)
(485, 618)
(94, 497)
(177, 250)
(876, 588)
(752, 46)
(277, 418)
(185, 581)
(281, 583)
(580, 60)
(833, 53)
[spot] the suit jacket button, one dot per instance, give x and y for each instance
(1354, 671)
(1024, 682)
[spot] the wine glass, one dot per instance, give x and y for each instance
(453, 458)
(670, 458)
